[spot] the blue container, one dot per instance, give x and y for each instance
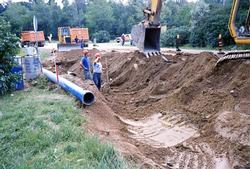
(19, 70)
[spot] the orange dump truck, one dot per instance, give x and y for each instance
(80, 33)
(29, 38)
(72, 38)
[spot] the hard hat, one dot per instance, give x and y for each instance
(98, 55)
(85, 51)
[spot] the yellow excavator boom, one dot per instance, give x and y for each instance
(239, 38)
(153, 13)
(240, 35)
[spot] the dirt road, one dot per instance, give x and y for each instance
(126, 48)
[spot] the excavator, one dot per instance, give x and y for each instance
(241, 35)
(146, 35)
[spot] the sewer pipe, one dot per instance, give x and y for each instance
(86, 97)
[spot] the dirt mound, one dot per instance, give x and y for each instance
(142, 87)
(188, 82)
(192, 91)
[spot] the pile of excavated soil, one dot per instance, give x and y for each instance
(193, 86)
(216, 100)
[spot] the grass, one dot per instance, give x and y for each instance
(43, 129)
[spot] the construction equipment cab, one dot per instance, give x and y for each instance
(240, 33)
(72, 38)
(146, 35)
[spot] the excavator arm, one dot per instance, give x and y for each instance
(146, 35)
(153, 13)
(238, 36)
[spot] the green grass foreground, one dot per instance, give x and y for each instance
(42, 129)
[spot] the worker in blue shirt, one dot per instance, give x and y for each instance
(97, 71)
(85, 64)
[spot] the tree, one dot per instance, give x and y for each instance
(216, 22)
(125, 16)
(175, 14)
(101, 36)
(99, 16)
(135, 14)
(211, 19)
(183, 16)
(19, 16)
(197, 37)
(165, 14)
(8, 49)
(169, 12)
(168, 38)
(68, 15)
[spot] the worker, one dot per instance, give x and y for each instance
(97, 71)
(50, 38)
(123, 39)
(85, 65)
(82, 43)
(76, 39)
(177, 41)
(241, 30)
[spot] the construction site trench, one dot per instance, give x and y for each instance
(185, 114)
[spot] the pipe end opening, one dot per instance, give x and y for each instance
(88, 98)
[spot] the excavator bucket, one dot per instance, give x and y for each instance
(147, 39)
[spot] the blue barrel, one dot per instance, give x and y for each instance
(19, 83)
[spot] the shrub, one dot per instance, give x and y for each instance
(168, 38)
(8, 48)
(101, 36)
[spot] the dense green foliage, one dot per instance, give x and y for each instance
(208, 21)
(101, 36)
(203, 20)
(176, 14)
(168, 38)
(98, 15)
(8, 49)
(41, 129)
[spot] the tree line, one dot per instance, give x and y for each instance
(198, 23)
